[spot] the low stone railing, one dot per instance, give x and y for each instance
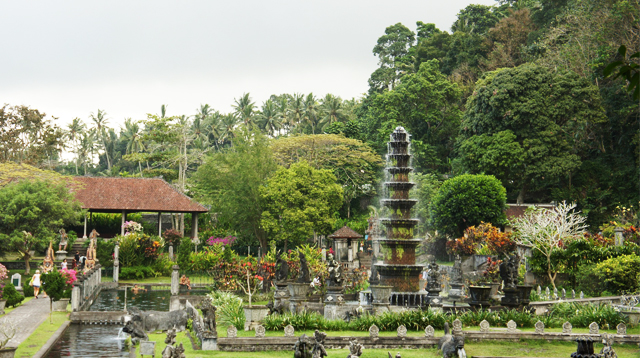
(401, 340)
(86, 289)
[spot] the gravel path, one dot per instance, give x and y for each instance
(27, 317)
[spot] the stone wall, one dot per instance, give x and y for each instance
(86, 289)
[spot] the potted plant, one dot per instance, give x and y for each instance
(479, 291)
(491, 274)
(253, 314)
(55, 285)
(7, 331)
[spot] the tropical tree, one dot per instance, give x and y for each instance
(299, 202)
(75, 129)
(100, 122)
(311, 112)
(295, 110)
(244, 109)
(332, 112)
(132, 135)
(229, 181)
(547, 230)
(392, 50)
(270, 118)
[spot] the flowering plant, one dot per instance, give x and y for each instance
(69, 276)
(492, 272)
(3, 276)
(131, 227)
(253, 281)
(221, 240)
(172, 237)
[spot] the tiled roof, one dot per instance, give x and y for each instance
(132, 194)
(345, 232)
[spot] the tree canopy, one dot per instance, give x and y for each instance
(299, 201)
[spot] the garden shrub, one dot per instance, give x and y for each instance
(137, 272)
(620, 274)
(162, 265)
(27, 290)
(12, 295)
(186, 247)
(581, 315)
(229, 312)
(138, 249)
(172, 237)
(588, 280)
(104, 252)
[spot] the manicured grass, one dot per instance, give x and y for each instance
(524, 348)
(41, 335)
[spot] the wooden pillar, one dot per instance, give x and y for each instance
(85, 227)
(159, 224)
(124, 218)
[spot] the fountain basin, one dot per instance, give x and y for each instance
(399, 252)
(403, 278)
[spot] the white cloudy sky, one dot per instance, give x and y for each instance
(69, 58)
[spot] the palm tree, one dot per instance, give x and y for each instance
(100, 121)
(85, 149)
(244, 109)
(74, 130)
(163, 111)
(311, 112)
(270, 118)
(132, 136)
(295, 110)
(332, 110)
(228, 123)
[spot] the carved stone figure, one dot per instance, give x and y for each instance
(451, 346)
(63, 240)
(150, 321)
(335, 272)
(93, 236)
(433, 273)
(509, 271)
(304, 270)
(608, 351)
(282, 269)
(275, 307)
(302, 349)
(456, 272)
(90, 261)
(178, 352)
(208, 316)
(318, 350)
(171, 337)
(47, 263)
(355, 349)
(135, 331)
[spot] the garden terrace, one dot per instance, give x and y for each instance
(128, 195)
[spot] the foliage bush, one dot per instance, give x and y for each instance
(229, 309)
(104, 252)
(620, 274)
(162, 265)
(581, 315)
(12, 295)
(27, 290)
(468, 200)
(172, 237)
(184, 250)
(137, 272)
(139, 249)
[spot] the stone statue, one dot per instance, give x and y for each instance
(509, 271)
(335, 272)
(451, 345)
(135, 331)
(178, 352)
(90, 261)
(456, 273)
(93, 236)
(62, 246)
(608, 351)
(171, 337)
(355, 349)
(275, 307)
(318, 350)
(433, 273)
(47, 263)
(301, 349)
(282, 269)
(208, 316)
(304, 270)
(374, 279)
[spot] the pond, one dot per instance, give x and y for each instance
(150, 300)
(89, 341)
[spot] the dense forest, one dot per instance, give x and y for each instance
(516, 90)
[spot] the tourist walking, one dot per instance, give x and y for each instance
(76, 260)
(64, 264)
(35, 282)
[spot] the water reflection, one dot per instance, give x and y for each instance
(89, 341)
(150, 300)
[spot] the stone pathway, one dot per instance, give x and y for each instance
(27, 318)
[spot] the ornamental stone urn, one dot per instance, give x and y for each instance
(479, 296)
(60, 305)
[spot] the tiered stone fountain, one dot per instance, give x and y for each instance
(398, 249)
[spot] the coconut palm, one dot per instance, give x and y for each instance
(74, 130)
(295, 110)
(100, 124)
(85, 149)
(270, 118)
(244, 109)
(311, 112)
(132, 136)
(332, 110)
(228, 123)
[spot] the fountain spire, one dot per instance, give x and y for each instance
(399, 268)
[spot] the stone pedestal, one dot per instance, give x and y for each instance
(479, 296)
(434, 296)
(61, 255)
(525, 294)
(511, 297)
(381, 294)
(175, 280)
(253, 316)
(171, 253)
(209, 342)
(298, 292)
(334, 295)
(455, 293)
(281, 296)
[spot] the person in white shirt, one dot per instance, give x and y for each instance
(64, 264)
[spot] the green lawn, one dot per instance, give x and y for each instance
(41, 335)
(523, 348)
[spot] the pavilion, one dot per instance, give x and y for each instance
(129, 195)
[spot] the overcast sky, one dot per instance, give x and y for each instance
(70, 58)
